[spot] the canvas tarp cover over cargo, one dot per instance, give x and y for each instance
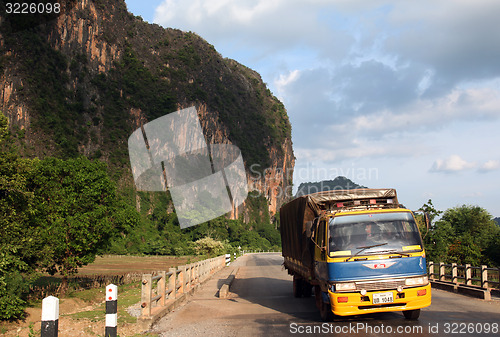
(297, 215)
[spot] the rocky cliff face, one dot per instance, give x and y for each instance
(83, 29)
(84, 81)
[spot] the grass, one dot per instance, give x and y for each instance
(128, 294)
(96, 315)
(90, 295)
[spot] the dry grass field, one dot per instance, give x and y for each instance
(120, 264)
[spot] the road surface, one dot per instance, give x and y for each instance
(261, 304)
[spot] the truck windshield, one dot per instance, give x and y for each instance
(386, 232)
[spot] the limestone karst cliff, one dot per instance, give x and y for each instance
(82, 82)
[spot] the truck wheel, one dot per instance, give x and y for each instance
(412, 314)
(325, 310)
(297, 286)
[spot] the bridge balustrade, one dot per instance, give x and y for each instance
(160, 290)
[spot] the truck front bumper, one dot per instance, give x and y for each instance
(346, 304)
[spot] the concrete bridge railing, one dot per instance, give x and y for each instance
(476, 281)
(161, 291)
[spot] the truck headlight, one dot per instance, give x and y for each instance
(345, 286)
(417, 281)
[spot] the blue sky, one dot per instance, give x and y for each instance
(402, 94)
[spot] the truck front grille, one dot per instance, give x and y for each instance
(380, 285)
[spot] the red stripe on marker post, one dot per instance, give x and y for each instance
(111, 311)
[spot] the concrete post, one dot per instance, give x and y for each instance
(441, 271)
(468, 274)
(484, 276)
(50, 317)
(181, 281)
(172, 283)
(187, 280)
(111, 311)
(147, 280)
(454, 275)
(161, 287)
(196, 275)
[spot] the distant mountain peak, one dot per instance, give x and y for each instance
(339, 183)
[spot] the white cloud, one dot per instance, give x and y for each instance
(490, 165)
(465, 104)
(407, 131)
(284, 80)
(453, 163)
(258, 27)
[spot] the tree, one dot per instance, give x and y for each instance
(209, 247)
(74, 204)
(493, 250)
(467, 234)
(433, 243)
(18, 253)
(438, 240)
(431, 211)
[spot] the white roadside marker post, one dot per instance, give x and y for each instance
(111, 311)
(50, 316)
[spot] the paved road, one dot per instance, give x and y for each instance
(261, 304)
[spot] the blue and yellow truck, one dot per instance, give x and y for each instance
(359, 250)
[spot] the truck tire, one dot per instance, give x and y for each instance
(297, 286)
(412, 314)
(325, 310)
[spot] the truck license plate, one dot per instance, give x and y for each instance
(380, 298)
